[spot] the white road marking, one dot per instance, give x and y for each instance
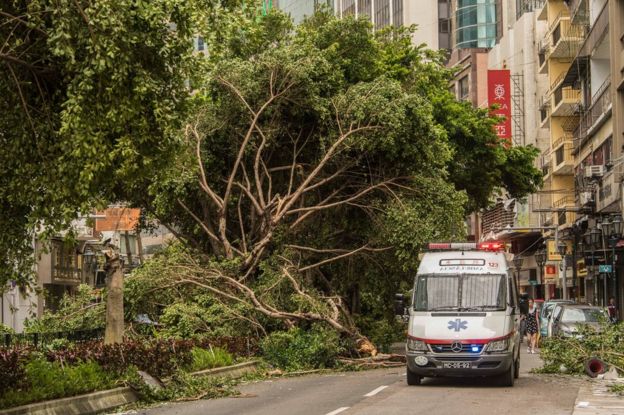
(337, 411)
(375, 391)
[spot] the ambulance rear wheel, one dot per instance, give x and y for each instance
(412, 378)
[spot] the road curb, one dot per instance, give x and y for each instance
(95, 402)
(594, 398)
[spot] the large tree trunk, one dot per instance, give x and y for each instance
(114, 302)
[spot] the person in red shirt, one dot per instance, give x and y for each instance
(613, 311)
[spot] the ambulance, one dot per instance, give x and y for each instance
(463, 315)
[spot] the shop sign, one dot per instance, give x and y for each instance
(550, 274)
(581, 269)
(553, 252)
(499, 94)
(604, 269)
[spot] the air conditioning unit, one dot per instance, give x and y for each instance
(586, 198)
(594, 171)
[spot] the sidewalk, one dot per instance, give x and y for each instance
(594, 398)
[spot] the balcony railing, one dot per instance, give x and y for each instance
(567, 94)
(526, 6)
(600, 105)
(564, 201)
(563, 139)
(566, 38)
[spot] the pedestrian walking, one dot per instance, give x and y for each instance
(613, 311)
(532, 326)
(523, 305)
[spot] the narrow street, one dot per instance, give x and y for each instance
(384, 391)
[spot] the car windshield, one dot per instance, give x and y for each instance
(587, 315)
(460, 292)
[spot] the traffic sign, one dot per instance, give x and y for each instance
(604, 268)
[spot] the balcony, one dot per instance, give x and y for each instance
(545, 164)
(563, 160)
(564, 218)
(598, 111)
(565, 38)
(579, 11)
(565, 101)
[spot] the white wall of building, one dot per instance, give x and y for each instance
(424, 14)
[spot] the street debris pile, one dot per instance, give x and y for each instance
(589, 351)
(379, 360)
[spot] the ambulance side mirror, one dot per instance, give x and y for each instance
(399, 304)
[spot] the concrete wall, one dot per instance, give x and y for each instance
(423, 13)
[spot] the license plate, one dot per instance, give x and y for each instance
(457, 365)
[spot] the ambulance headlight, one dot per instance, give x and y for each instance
(416, 345)
(498, 346)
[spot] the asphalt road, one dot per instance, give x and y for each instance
(384, 391)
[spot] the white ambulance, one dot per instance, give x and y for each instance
(463, 316)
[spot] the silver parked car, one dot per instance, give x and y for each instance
(567, 318)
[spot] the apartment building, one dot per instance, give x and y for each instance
(516, 221)
(430, 16)
(583, 109)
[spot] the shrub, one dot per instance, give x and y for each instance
(12, 372)
(209, 358)
(157, 357)
(51, 380)
(298, 349)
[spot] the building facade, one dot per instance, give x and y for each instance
(516, 221)
(432, 17)
(475, 23)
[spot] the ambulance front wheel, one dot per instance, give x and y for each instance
(412, 378)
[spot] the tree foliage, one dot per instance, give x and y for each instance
(301, 168)
(90, 94)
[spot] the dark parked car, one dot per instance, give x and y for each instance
(569, 317)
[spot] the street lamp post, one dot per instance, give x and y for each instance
(562, 248)
(540, 259)
(614, 234)
(592, 243)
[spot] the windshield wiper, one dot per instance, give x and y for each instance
(443, 308)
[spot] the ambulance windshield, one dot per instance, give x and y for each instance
(460, 292)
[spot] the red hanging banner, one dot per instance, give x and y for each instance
(499, 94)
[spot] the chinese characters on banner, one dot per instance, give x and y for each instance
(499, 94)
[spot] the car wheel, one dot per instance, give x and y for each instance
(517, 367)
(412, 378)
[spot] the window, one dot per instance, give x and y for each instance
(200, 43)
(397, 13)
(460, 292)
(364, 8)
(464, 88)
(348, 8)
(382, 13)
(443, 26)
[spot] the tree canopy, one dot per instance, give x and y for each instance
(301, 168)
